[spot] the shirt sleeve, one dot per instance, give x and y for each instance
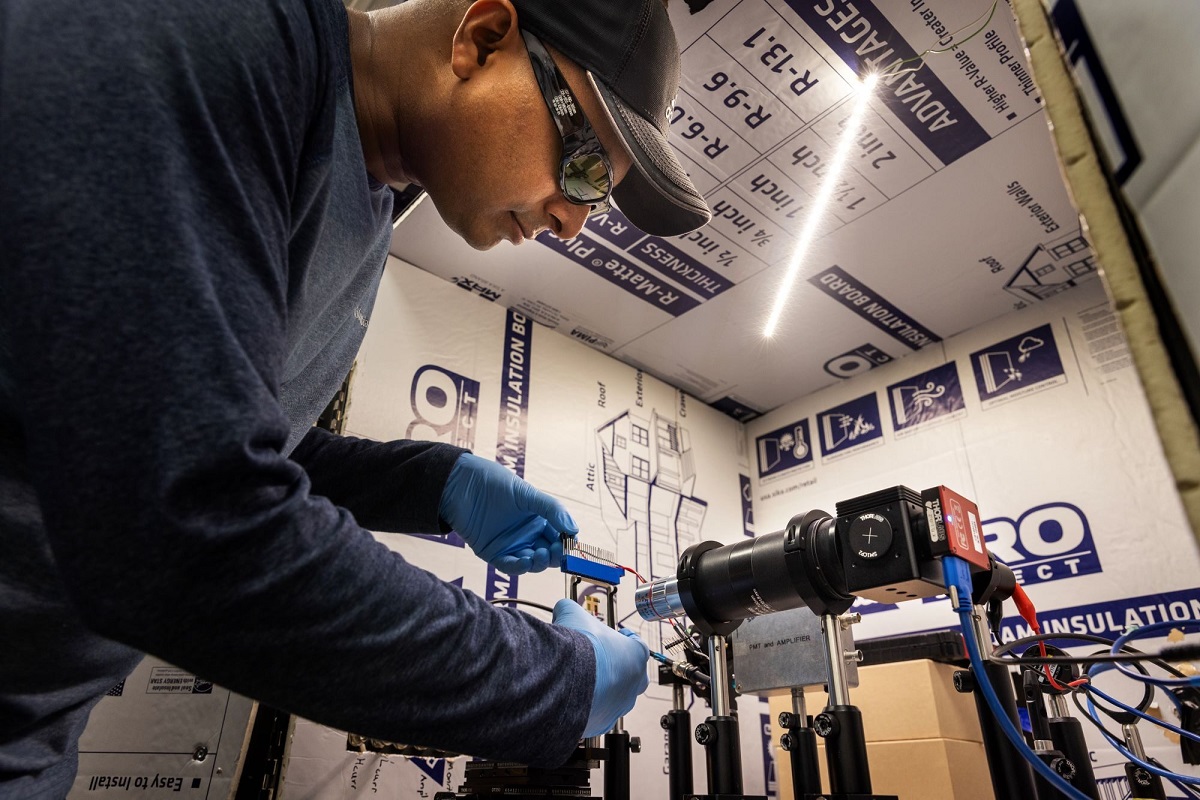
(367, 477)
(144, 224)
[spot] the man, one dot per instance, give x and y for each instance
(193, 223)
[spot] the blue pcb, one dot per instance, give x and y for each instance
(605, 573)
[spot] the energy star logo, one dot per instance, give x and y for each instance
(445, 405)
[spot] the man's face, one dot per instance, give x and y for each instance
(497, 175)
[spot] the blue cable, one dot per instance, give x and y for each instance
(1119, 746)
(958, 575)
(1143, 715)
(1145, 630)
(1188, 791)
(1173, 777)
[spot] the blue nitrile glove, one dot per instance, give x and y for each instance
(620, 665)
(506, 521)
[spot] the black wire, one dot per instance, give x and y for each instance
(1134, 655)
(685, 636)
(1088, 716)
(1119, 716)
(1126, 659)
(505, 600)
(1045, 637)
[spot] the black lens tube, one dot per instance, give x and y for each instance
(717, 586)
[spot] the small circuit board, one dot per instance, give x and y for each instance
(590, 562)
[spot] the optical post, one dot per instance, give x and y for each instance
(888, 546)
(883, 546)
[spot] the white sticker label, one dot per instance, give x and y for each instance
(933, 522)
(975, 532)
(170, 680)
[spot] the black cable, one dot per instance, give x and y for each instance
(1134, 655)
(1186, 651)
(1088, 716)
(1124, 717)
(499, 601)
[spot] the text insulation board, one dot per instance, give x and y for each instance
(951, 210)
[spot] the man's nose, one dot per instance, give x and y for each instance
(567, 218)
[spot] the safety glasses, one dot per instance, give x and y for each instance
(584, 173)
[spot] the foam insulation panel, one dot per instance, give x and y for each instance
(952, 210)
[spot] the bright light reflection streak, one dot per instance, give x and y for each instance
(821, 203)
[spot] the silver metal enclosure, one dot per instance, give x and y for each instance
(776, 652)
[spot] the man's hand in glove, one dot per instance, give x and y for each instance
(508, 523)
(620, 665)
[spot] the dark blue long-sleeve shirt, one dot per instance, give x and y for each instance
(189, 249)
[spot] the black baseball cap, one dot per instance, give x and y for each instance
(629, 51)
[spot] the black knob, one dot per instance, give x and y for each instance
(825, 725)
(787, 720)
(785, 741)
(1064, 768)
(665, 721)
(200, 753)
(705, 733)
(1141, 777)
(964, 681)
(635, 744)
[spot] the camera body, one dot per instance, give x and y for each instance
(891, 541)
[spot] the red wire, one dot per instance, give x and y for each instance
(634, 572)
(1029, 613)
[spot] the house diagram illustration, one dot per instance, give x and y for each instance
(1050, 270)
(649, 475)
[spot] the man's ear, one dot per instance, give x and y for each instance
(488, 27)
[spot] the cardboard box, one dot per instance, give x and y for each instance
(912, 769)
(905, 700)
(923, 738)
